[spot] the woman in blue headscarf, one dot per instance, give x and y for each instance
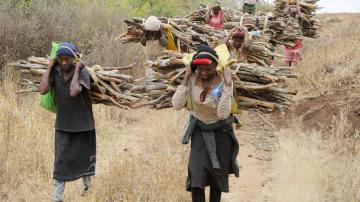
(75, 137)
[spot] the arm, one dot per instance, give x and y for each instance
(229, 36)
(45, 83)
(227, 39)
(207, 15)
(246, 37)
(163, 39)
(143, 39)
(222, 20)
(224, 107)
(75, 87)
(181, 94)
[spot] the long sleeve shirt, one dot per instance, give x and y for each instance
(213, 108)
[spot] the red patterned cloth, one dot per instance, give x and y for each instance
(216, 21)
(293, 54)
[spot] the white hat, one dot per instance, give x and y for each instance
(152, 23)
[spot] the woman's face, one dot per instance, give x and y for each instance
(216, 10)
(66, 63)
(238, 41)
(206, 72)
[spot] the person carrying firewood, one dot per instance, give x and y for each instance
(293, 54)
(214, 146)
(293, 8)
(215, 16)
(75, 137)
(249, 6)
(155, 39)
(238, 42)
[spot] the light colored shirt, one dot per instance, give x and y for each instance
(213, 109)
(153, 50)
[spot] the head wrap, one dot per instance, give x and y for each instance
(152, 23)
(204, 55)
(239, 33)
(66, 49)
(217, 4)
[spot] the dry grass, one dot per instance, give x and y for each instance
(309, 168)
(316, 166)
(140, 156)
(91, 25)
(330, 62)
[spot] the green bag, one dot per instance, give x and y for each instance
(55, 46)
(47, 101)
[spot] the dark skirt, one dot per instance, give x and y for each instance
(201, 171)
(75, 155)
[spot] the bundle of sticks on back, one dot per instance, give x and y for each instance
(303, 11)
(277, 30)
(109, 85)
(188, 35)
(255, 86)
(280, 31)
(229, 14)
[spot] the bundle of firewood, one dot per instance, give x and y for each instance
(109, 85)
(277, 30)
(305, 14)
(229, 14)
(189, 34)
(255, 86)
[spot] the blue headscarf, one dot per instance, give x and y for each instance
(66, 49)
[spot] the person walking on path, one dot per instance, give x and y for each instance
(75, 137)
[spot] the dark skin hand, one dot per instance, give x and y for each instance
(68, 68)
(75, 87)
(44, 85)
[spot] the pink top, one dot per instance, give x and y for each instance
(298, 45)
(293, 54)
(216, 21)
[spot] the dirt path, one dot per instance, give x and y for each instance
(248, 186)
(258, 143)
(256, 146)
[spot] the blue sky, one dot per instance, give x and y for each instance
(340, 5)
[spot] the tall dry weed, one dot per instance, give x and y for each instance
(331, 61)
(92, 25)
(139, 154)
(310, 168)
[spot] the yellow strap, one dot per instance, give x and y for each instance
(171, 42)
